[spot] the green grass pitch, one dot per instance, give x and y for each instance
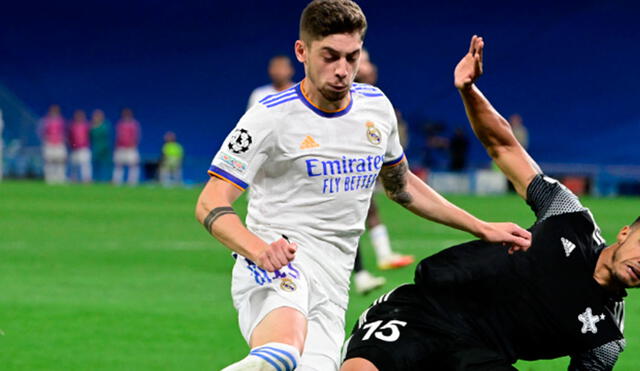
(103, 278)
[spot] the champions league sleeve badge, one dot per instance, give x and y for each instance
(240, 141)
(373, 134)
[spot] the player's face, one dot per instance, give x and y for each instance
(626, 258)
(331, 63)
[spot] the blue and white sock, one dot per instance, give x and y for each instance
(282, 357)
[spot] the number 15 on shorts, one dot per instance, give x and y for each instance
(388, 332)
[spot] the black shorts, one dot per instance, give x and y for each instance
(397, 333)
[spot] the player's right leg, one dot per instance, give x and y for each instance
(272, 310)
(276, 342)
(387, 258)
(363, 281)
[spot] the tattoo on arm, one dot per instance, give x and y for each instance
(215, 214)
(395, 183)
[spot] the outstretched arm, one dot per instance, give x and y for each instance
(490, 127)
(405, 188)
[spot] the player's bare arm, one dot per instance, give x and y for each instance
(394, 179)
(216, 214)
(493, 131)
(405, 188)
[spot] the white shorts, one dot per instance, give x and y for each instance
(126, 156)
(54, 152)
(81, 156)
(257, 292)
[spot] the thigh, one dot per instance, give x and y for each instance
(256, 292)
(325, 334)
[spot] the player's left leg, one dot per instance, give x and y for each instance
(387, 259)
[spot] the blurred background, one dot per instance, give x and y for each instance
(123, 278)
(568, 69)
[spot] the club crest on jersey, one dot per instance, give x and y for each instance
(589, 321)
(373, 134)
(240, 141)
(287, 284)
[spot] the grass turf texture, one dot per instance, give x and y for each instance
(104, 278)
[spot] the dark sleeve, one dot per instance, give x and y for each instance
(547, 197)
(601, 358)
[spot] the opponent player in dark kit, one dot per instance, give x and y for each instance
(482, 306)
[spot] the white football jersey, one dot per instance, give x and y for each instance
(312, 173)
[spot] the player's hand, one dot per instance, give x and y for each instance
(470, 67)
(276, 255)
(512, 235)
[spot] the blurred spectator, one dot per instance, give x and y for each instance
(458, 150)
(171, 163)
(519, 130)
(1, 147)
(80, 152)
(52, 134)
(280, 72)
(126, 152)
(100, 134)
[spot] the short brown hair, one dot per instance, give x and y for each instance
(636, 224)
(322, 18)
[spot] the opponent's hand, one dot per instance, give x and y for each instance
(518, 239)
(470, 66)
(276, 255)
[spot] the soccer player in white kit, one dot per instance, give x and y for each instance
(311, 155)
